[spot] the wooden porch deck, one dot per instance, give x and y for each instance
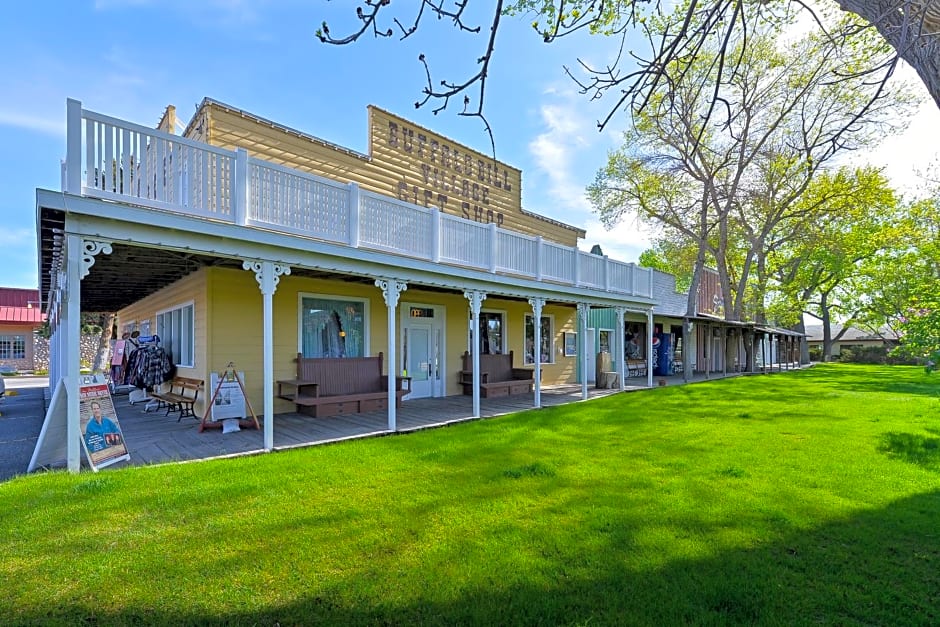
(153, 438)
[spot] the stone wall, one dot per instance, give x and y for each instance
(89, 347)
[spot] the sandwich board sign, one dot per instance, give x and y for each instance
(102, 437)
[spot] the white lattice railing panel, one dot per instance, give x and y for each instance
(644, 282)
(395, 226)
(464, 242)
(297, 202)
(516, 253)
(591, 269)
(558, 262)
(620, 275)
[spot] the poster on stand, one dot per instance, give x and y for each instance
(229, 402)
(102, 437)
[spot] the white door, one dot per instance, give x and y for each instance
(419, 358)
(591, 356)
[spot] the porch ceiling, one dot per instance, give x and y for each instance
(132, 272)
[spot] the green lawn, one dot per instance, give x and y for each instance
(808, 497)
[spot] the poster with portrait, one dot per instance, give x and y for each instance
(102, 437)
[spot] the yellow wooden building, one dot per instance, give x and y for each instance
(244, 241)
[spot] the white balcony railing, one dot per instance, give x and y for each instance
(112, 159)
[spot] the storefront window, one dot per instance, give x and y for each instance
(332, 327)
(604, 337)
(491, 333)
(634, 339)
(548, 340)
(177, 334)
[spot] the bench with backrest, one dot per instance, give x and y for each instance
(497, 376)
(328, 386)
(636, 367)
(179, 394)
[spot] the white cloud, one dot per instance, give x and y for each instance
(49, 126)
(557, 150)
(567, 155)
(906, 156)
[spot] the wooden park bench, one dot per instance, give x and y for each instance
(328, 386)
(180, 395)
(636, 367)
(497, 376)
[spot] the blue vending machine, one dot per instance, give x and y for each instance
(663, 355)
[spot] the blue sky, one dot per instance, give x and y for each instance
(132, 58)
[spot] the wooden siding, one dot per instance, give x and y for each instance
(191, 288)
(405, 162)
(228, 313)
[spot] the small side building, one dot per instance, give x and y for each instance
(20, 317)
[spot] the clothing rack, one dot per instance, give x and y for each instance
(148, 366)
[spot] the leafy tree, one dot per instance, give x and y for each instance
(908, 283)
(818, 269)
(675, 257)
(736, 183)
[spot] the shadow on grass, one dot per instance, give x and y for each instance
(913, 448)
(877, 567)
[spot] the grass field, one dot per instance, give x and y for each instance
(809, 497)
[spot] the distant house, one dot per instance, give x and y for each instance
(20, 316)
(853, 338)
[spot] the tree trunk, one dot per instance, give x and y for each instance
(103, 356)
(826, 327)
(911, 29)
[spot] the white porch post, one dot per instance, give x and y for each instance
(391, 291)
(80, 256)
(583, 309)
(55, 339)
(537, 304)
(476, 298)
(73, 146)
(724, 352)
(70, 341)
(621, 354)
(268, 275)
(649, 348)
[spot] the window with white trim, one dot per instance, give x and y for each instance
(547, 351)
(12, 347)
(333, 326)
(492, 333)
(176, 328)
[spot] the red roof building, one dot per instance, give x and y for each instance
(20, 316)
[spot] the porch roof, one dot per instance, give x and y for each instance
(21, 315)
(152, 248)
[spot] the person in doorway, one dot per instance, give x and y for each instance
(100, 432)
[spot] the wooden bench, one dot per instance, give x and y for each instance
(636, 367)
(497, 376)
(180, 395)
(329, 386)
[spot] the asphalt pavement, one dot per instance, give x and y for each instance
(22, 411)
